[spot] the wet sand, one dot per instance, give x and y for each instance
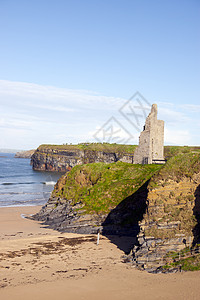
(39, 263)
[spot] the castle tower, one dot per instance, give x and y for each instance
(151, 141)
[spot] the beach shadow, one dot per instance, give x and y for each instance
(196, 212)
(121, 225)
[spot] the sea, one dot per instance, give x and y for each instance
(20, 185)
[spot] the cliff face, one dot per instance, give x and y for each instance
(171, 221)
(64, 158)
(83, 198)
(56, 160)
(159, 206)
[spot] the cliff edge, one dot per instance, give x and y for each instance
(84, 197)
(63, 158)
(170, 226)
(25, 154)
(157, 205)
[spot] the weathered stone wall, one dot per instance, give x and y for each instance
(151, 140)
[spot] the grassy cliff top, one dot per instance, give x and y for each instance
(100, 187)
(169, 151)
(91, 146)
(183, 165)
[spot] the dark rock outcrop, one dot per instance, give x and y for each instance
(62, 160)
(56, 160)
(66, 217)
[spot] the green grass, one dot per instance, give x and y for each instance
(118, 148)
(170, 151)
(101, 187)
(191, 263)
(176, 168)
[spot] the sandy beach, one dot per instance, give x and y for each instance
(39, 263)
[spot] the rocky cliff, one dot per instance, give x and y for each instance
(159, 206)
(83, 199)
(64, 157)
(25, 154)
(170, 224)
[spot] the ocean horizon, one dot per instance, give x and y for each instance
(20, 185)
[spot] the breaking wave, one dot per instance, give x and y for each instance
(49, 182)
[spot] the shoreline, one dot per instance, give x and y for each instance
(39, 263)
(13, 206)
(11, 221)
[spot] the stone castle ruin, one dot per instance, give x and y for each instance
(151, 141)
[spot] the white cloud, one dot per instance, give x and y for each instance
(177, 137)
(53, 114)
(52, 107)
(26, 92)
(191, 107)
(15, 123)
(32, 114)
(171, 115)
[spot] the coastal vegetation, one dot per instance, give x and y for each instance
(169, 151)
(92, 147)
(183, 165)
(159, 203)
(187, 259)
(101, 187)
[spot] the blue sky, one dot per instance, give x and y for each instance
(67, 67)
